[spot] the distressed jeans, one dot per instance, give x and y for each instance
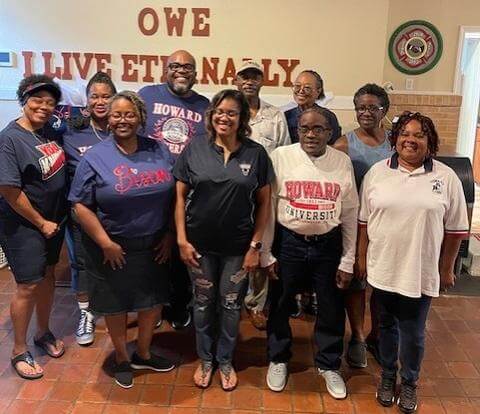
(219, 287)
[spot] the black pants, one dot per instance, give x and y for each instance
(301, 261)
(402, 324)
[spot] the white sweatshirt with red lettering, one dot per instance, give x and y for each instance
(312, 196)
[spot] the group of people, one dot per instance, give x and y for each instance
(168, 199)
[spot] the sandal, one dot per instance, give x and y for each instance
(204, 370)
(226, 374)
(28, 359)
(49, 339)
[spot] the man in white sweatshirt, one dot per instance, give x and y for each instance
(315, 205)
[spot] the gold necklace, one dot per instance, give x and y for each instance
(95, 131)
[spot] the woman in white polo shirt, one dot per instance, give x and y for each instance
(412, 219)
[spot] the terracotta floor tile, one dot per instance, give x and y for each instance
(426, 387)
(471, 387)
(448, 387)
(463, 370)
(183, 396)
(365, 403)
(119, 395)
(3, 405)
(362, 384)
(152, 410)
(458, 327)
(451, 353)
(66, 391)
(119, 409)
(473, 353)
(252, 377)
(36, 390)
(215, 397)
(156, 394)
(277, 401)
(306, 380)
(76, 372)
(183, 410)
(93, 392)
(99, 375)
(245, 411)
(54, 370)
(468, 340)
(85, 355)
(430, 405)
(185, 375)
(88, 408)
(458, 405)
(161, 377)
(215, 411)
(247, 398)
(474, 325)
(307, 402)
(435, 369)
(331, 405)
(9, 388)
(55, 407)
(22, 406)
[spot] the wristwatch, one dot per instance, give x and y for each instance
(256, 245)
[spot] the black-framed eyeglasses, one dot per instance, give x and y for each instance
(373, 109)
(317, 130)
(187, 67)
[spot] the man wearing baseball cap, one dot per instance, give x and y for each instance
(269, 128)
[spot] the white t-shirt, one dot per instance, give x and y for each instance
(407, 215)
(312, 196)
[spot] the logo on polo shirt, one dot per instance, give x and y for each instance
(52, 161)
(245, 168)
(437, 186)
(83, 150)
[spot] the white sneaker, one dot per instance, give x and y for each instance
(85, 334)
(334, 382)
(277, 376)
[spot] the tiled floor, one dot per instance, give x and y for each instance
(79, 382)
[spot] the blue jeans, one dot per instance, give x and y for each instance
(300, 262)
(401, 322)
(219, 288)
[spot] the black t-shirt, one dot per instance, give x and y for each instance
(221, 203)
(37, 167)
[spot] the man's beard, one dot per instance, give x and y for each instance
(180, 88)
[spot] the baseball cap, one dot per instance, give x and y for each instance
(250, 64)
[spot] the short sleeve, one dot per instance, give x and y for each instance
(364, 213)
(456, 218)
(265, 169)
(180, 169)
(350, 198)
(10, 173)
(83, 185)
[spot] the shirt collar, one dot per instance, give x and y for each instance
(427, 164)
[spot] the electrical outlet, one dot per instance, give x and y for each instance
(409, 84)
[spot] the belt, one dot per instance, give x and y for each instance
(312, 238)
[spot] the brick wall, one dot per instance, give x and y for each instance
(443, 109)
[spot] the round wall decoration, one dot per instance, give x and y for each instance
(415, 47)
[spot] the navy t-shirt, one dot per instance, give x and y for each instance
(173, 119)
(131, 194)
(220, 210)
(76, 142)
(292, 122)
(37, 167)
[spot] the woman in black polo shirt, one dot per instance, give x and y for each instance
(223, 200)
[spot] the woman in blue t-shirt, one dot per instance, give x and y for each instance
(122, 193)
(32, 209)
(83, 133)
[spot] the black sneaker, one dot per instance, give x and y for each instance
(407, 400)
(181, 321)
(155, 363)
(124, 374)
(386, 391)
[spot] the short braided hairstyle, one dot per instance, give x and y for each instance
(137, 102)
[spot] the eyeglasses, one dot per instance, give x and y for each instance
(317, 130)
(372, 109)
(129, 116)
(230, 114)
(187, 67)
(38, 101)
(307, 89)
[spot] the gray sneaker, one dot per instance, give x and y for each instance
(357, 354)
(334, 382)
(277, 376)
(85, 334)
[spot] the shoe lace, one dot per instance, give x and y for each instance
(86, 323)
(387, 383)
(278, 369)
(407, 393)
(334, 377)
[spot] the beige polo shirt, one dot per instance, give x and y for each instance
(407, 215)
